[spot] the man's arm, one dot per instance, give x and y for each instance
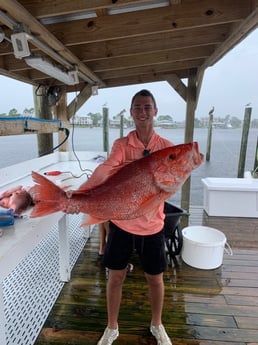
(106, 169)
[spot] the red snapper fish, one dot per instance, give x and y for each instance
(17, 198)
(131, 191)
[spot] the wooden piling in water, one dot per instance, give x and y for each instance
(105, 130)
(121, 125)
(255, 170)
(208, 148)
(245, 132)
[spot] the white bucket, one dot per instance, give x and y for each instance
(203, 247)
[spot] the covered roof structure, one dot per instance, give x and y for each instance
(110, 43)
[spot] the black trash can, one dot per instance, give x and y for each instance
(172, 228)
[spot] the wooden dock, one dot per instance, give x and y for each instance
(201, 307)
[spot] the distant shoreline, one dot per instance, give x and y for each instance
(223, 163)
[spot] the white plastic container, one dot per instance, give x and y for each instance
(203, 247)
(230, 197)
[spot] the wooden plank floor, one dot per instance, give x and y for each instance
(202, 307)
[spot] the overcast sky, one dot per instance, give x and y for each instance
(228, 86)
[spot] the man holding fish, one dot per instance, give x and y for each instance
(141, 233)
(129, 190)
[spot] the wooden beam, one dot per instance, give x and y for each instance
(78, 101)
(238, 35)
(177, 85)
(189, 129)
(16, 10)
(28, 126)
(199, 80)
(61, 114)
(152, 43)
(43, 111)
(145, 78)
(191, 105)
(164, 68)
(13, 75)
(11, 127)
(150, 59)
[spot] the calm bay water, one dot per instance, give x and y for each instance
(223, 163)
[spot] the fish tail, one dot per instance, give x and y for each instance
(46, 195)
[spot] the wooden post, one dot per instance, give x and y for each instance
(255, 171)
(43, 111)
(121, 125)
(62, 114)
(105, 130)
(208, 147)
(189, 129)
(245, 132)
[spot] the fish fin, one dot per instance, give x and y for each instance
(66, 187)
(46, 196)
(90, 220)
(45, 189)
(84, 189)
(43, 208)
(86, 186)
(148, 208)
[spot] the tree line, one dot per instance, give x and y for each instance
(96, 118)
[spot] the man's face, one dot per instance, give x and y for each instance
(143, 110)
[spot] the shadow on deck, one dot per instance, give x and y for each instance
(201, 307)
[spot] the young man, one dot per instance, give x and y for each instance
(140, 234)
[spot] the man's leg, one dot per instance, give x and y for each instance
(114, 295)
(156, 296)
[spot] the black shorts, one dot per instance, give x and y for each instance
(121, 244)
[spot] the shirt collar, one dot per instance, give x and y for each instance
(135, 142)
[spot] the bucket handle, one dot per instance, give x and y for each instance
(228, 249)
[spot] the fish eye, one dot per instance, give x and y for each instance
(172, 156)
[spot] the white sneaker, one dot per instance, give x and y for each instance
(160, 334)
(108, 336)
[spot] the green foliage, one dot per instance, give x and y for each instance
(13, 112)
(165, 118)
(235, 122)
(96, 118)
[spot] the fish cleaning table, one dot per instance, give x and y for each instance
(20, 239)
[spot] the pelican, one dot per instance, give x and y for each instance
(212, 110)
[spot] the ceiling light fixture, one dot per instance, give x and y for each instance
(2, 36)
(149, 5)
(68, 17)
(47, 67)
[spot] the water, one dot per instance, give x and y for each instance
(223, 162)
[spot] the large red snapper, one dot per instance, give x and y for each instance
(134, 190)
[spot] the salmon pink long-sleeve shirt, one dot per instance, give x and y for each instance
(125, 150)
